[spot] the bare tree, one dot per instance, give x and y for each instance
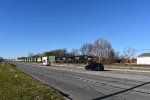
(111, 56)
(59, 53)
(86, 49)
(102, 48)
(1, 59)
(128, 53)
(39, 55)
(118, 57)
(48, 53)
(30, 54)
(75, 52)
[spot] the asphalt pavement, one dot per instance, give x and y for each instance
(79, 84)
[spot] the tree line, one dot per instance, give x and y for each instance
(101, 50)
(1, 59)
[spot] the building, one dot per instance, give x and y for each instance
(21, 59)
(39, 59)
(44, 58)
(49, 58)
(144, 59)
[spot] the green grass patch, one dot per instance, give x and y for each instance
(15, 85)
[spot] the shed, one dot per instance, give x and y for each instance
(144, 59)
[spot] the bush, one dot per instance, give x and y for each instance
(1, 59)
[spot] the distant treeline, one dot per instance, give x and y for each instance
(100, 50)
(1, 59)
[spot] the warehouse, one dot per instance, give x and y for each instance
(144, 59)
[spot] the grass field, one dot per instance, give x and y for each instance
(15, 85)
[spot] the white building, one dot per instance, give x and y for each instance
(144, 59)
(44, 58)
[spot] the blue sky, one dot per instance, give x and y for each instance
(44, 25)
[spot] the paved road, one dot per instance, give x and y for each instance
(79, 84)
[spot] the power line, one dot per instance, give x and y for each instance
(138, 50)
(143, 50)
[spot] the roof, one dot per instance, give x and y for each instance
(144, 55)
